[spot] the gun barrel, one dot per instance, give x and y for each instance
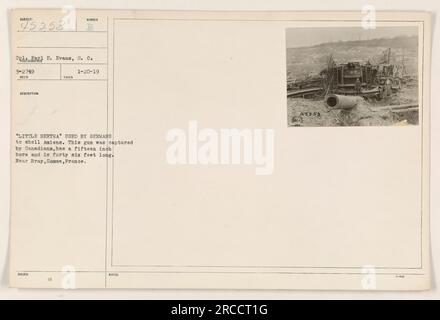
(335, 101)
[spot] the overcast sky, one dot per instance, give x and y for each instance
(305, 37)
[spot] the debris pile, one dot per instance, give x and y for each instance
(309, 113)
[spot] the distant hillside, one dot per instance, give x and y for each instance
(397, 42)
(305, 61)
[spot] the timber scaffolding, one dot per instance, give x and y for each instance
(341, 79)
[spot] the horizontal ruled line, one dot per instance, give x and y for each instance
(62, 79)
(227, 272)
(62, 47)
(66, 31)
(64, 63)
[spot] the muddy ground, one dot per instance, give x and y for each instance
(313, 112)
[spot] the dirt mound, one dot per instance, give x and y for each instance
(314, 113)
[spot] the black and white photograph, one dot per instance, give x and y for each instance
(351, 76)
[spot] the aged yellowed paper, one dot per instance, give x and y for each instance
(250, 150)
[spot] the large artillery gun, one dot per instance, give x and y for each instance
(353, 110)
(354, 78)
